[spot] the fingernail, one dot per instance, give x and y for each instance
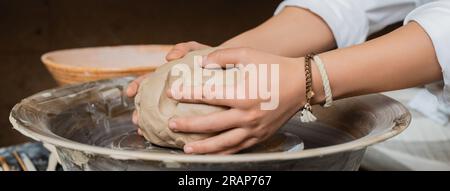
(188, 149)
(170, 55)
(169, 93)
(129, 91)
(205, 60)
(174, 94)
(134, 119)
(172, 125)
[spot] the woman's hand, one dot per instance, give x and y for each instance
(244, 123)
(181, 49)
(178, 51)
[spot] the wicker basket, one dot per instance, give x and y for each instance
(90, 64)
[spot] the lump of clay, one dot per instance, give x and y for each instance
(155, 108)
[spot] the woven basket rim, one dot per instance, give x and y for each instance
(45, 58)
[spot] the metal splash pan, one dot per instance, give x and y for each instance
(89, 126)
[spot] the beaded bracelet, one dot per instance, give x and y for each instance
(306, 115)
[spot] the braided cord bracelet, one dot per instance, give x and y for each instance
(307, 115)
(325, 81)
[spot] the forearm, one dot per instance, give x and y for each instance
(401, 59)
(292, 33)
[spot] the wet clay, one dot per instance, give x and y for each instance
(155, 108)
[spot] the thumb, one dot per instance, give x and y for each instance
(181, 49)
(224, 57)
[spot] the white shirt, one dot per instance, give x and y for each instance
(352, 21)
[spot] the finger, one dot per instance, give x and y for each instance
(135, 117)
(223, 141)
(213, 122)
(226, 56)
(139, 132)
(246, 144)
(134, 86)
(181, 49)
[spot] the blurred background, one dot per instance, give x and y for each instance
(30, 28)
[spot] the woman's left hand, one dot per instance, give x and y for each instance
(244, 124)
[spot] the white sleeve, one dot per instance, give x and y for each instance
(351, 21)
(434, 18)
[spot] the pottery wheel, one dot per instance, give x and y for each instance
(89, 126)
(280, 142)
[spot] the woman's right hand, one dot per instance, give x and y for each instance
(181, 49)
(177, 52)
